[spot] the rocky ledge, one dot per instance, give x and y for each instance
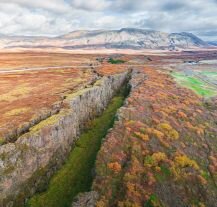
(27, 164)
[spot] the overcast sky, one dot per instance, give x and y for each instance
(55, 17)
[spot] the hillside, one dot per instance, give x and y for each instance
(126, 38)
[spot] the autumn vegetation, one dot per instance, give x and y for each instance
(163, 150)
(26, 97)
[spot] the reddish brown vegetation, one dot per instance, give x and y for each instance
(30, 96)
(26, 96)
(164, 149)
(163, 152)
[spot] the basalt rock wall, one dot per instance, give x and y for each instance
(27, 164)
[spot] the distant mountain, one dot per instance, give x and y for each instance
(212, 43)
(126, 38)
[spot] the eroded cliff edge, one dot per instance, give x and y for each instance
(27, 164)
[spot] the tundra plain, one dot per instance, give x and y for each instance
(162, 142)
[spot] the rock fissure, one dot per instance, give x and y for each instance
(37, 154)
(89, 199)
(15, 134)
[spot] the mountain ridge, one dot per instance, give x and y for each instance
(214, 43)
(125, 38)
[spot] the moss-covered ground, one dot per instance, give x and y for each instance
(76, 174)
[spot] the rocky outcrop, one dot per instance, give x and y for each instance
(88, 199)
(15, 132)
(27, 164)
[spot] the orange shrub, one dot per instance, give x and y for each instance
(144, 137)
(157, 133)
(114, 166)
(182, 115)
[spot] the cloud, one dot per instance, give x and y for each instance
(31, 17)
(54, 5)
(93, 5)
(15, 19)
(173, 6)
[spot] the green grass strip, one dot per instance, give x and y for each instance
(117, 61)
(199, 87)
(76, 174)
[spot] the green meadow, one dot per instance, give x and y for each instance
(198, 86)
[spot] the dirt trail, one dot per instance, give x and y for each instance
(5, 71)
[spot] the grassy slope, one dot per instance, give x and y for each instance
(198, 86)
(75, 176)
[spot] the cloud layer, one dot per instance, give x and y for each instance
(43, 17)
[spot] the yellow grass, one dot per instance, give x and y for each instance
(17, 112)
(16, 93)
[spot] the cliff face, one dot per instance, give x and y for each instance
(27, 164)
(90, 199)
